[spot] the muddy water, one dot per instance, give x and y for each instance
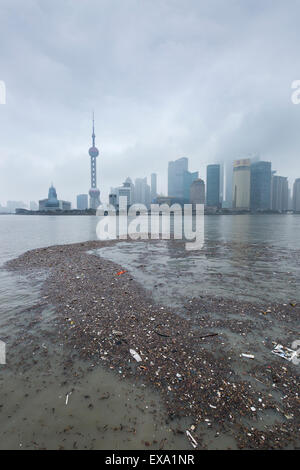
(253, 272)
(48, 402)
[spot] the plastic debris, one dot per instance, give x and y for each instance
(121, 272)
(191, 439)
(284, 352)
(249, 356)
(67, 397)
(135, 355)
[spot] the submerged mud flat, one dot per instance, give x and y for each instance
(192, 356)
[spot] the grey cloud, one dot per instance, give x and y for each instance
(207, 80)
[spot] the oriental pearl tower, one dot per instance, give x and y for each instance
(94, 192)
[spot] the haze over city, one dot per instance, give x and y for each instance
(210, 82)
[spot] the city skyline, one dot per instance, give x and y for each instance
(196, 85)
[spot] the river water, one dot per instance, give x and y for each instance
(247, 256)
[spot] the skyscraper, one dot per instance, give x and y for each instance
(82, 202)
(197, 192)
(176, 172)
(241, 184)
(261, 182)
(180, 179)
(213, 181)
(153, 186)
(142, 192)
(94, 192)
(280, 193)
(228, 170)
(296, 195)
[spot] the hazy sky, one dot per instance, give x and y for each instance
(209, 80)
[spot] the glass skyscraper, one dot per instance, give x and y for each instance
(260, 186)
(180, 179)
(213, 181)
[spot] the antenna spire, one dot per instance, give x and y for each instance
(93, 134)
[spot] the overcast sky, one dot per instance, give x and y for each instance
(210, 80)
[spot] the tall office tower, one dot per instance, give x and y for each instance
(153, 186)
(188, 179)
(296, 195)
(129, 184)
(180, 179)
(142, 192)
(94, 192)
(197, 192)
(260, 186)
(290, 200)
(227, 193)
(82, 202)
(222, 183)
(280, 193)
(213, 181)
(241, 184)
(176, 171)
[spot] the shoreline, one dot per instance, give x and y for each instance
(103, 312)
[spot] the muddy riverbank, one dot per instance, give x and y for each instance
(193, 360)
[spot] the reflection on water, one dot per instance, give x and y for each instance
(254, 272)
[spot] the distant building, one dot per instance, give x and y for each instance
(153, 186)
(13, 205)
(213, 185)
(261, 183)
(126, 190)
(33, 206)
(180, 179)
(188, 179)
(296, 195)
(142, 192)
(197, 192)
(168, 200)
(3, 210)
(280, 193)
(129, 184)
(176, 172)
(228, 171)
(52, 203)
(241, 184)
(82, 202)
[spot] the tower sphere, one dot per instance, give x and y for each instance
(94, 152)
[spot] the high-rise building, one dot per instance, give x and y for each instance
(260, 188)
(241, 184)
(153, 186)
(142, 192)
(188, 179)
(197, 192)
(227, 194)
(94, 192)
(180, 179)
(82, 202)
(176, 171)
(213, 184)
(280, 193)
(126, 190)
(296, 195)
